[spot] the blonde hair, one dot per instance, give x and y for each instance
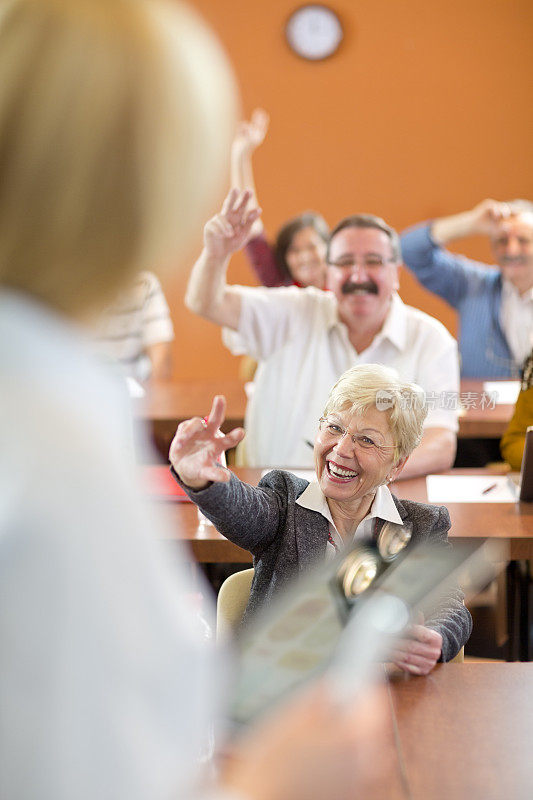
(115, 123)
(367, 385)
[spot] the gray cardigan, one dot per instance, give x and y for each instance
(285, 539)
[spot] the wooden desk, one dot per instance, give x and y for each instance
(508, 522)
(168, 403)
(465, 732)
(479, 421)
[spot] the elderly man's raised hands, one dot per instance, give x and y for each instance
(229, 230)
(198, 445)
(483, 220)
(487, 216)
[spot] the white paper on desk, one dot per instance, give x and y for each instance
(469, 489)
(505, 392)
(306, 474)
(134, 387)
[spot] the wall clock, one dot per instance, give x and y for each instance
(314, 31)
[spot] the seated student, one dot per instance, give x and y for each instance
(298, 254)
(107, 688)
(495, 306)
(288, 523)
(305, 338)
(136, 330)
(513, 440)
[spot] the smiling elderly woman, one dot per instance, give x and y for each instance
(371, 424)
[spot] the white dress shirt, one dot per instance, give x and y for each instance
(383, 507)
(106, 689)
(516, 318)
(303, 348)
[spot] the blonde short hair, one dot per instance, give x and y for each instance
(368, 385)
(116, 118)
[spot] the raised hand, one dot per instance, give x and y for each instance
(229, 230)
(487, 215)
(251, 133)
(197, 446)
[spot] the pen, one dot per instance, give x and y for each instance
(489, 488)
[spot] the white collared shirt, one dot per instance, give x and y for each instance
(383, 507)
(303, 348)
(516, 319)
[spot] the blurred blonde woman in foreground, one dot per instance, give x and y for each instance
(108, 158)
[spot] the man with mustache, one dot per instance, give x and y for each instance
(304, 339)
(495, 307)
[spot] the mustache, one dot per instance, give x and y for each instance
(510, 260)
(367, 286)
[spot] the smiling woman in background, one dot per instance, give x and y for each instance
(371, 424)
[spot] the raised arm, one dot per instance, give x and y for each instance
(259, 251)
(250, 135)
(482, 220)
(208, 293)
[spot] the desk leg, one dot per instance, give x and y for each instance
(523, 567)
(512, 608)
(518, 611)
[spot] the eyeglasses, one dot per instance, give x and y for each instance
(332, 431)
(369, 263)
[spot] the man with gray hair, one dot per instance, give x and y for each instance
(304, 339)
(495, 306)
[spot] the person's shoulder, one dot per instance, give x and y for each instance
(420, 233)
(147, 279)
(285, 482)
(419, 321)
(423, 514)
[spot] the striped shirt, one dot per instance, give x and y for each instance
(139, 318)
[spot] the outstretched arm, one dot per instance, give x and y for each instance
(319, 750)
(483, 219)
(208, 293)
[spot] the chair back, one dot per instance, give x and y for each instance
(460, 657)
(231, 603)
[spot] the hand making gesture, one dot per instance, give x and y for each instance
(229, 230)
(197, 446)
(250, 133)
(487, 216)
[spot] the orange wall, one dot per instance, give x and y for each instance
(425, 110)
